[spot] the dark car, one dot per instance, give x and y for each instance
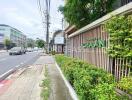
(17, 51)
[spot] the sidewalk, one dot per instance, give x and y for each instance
(58, 89)
(26, 84)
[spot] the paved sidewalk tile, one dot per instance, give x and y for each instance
(26, 86)
(58, 89)
(45, 60)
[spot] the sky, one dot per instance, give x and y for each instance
(24, 15)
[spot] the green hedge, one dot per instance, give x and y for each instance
(120, 33)
(126, 84)
(89, 82)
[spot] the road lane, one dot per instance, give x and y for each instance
(4, 55)
(9, 62)
(2, 59)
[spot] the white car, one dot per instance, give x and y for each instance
(17, 51)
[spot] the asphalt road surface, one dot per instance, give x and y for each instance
(8, 62)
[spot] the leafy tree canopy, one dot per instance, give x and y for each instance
(83, 12)
(7, 43)
(40, 43)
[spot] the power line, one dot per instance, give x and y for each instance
(45, 13)
(42, 12)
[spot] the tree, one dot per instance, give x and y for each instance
(40, 43)
(83, 12)
(30, 43)
(7, 43)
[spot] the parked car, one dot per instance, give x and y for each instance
(17, 51)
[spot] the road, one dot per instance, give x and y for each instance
(8, 62)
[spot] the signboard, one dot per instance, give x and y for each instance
(59, 40)
(1, 38)
(94, 43)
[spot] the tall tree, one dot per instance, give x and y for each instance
(83, 12)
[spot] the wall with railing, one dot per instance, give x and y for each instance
(91, 42)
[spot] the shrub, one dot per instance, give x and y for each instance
(53, 52)
(126, 84)
(86, 79)
(120, 32)
(103, 91)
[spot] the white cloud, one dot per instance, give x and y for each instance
(24, 15)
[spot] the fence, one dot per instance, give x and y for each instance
(98, 56)
(91, 42)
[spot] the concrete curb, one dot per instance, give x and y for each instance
(68, 85)
(6, 74)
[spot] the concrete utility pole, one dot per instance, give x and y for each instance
(47, 31)
(45, 12)
(47, 23)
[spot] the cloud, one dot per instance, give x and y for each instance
(24, 15)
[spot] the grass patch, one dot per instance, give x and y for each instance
(45, 86)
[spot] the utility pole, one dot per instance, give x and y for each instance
(47, 31)
(45, 12)
(47, 23)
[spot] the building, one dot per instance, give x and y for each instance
(1, 40)
(57, 43)
(15, 36)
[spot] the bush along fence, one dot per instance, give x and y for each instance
(119, 29)
(90, 82)
(106, 43)
(107, 46)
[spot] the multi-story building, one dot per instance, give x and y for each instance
(15, 36)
